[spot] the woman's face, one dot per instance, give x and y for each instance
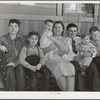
(95, 35)
(58, 29)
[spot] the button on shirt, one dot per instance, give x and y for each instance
(13, 47)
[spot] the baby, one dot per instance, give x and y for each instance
(86, 52)
(47, 32)
(45, 41)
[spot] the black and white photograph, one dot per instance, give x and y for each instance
(49, 49)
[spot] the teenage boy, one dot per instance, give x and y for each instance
(11, 44)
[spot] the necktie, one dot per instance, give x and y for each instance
(73, 46)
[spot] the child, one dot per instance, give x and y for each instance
(47, 32)
(11, 43)
(32, 59)
(86, 52)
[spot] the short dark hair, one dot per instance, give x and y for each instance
(14, 21)
(71, 25)
(84, 35)
(48, 20)
(59, 22)
(94, 28)
(34, 33)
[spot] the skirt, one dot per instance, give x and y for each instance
(60, 67)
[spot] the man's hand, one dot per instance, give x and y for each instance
(3, 48)
(11, 64)
(38, 67)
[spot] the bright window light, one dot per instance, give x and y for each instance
(72, 7)
(28, 4)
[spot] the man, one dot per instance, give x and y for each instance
(72, 30)
(91, 72)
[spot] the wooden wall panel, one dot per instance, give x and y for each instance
(37, 25)
(26, 26)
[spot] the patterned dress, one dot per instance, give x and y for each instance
(59, 66)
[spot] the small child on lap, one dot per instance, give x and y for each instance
(86, 52)
(46, 34)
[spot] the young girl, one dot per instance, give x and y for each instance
(32, 59)
(86, 52)
(62, 69)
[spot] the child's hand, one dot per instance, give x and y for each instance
(11, 64)
(38, 67)
(33, 68)
(3, 48)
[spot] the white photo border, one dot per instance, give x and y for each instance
(51, 94)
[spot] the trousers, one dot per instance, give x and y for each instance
(22, 72)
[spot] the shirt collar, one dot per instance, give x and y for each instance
(17, 36)
(31, 46)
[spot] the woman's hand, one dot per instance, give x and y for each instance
(87, 53)
(52, 38)
(49, 48)
(60, 53)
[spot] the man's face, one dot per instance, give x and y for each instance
(13, 28)
(72, 32)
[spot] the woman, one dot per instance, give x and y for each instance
(63, 70)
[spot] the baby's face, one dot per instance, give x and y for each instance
(48, 26)
(86, 40)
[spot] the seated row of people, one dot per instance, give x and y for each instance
(67, 58)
